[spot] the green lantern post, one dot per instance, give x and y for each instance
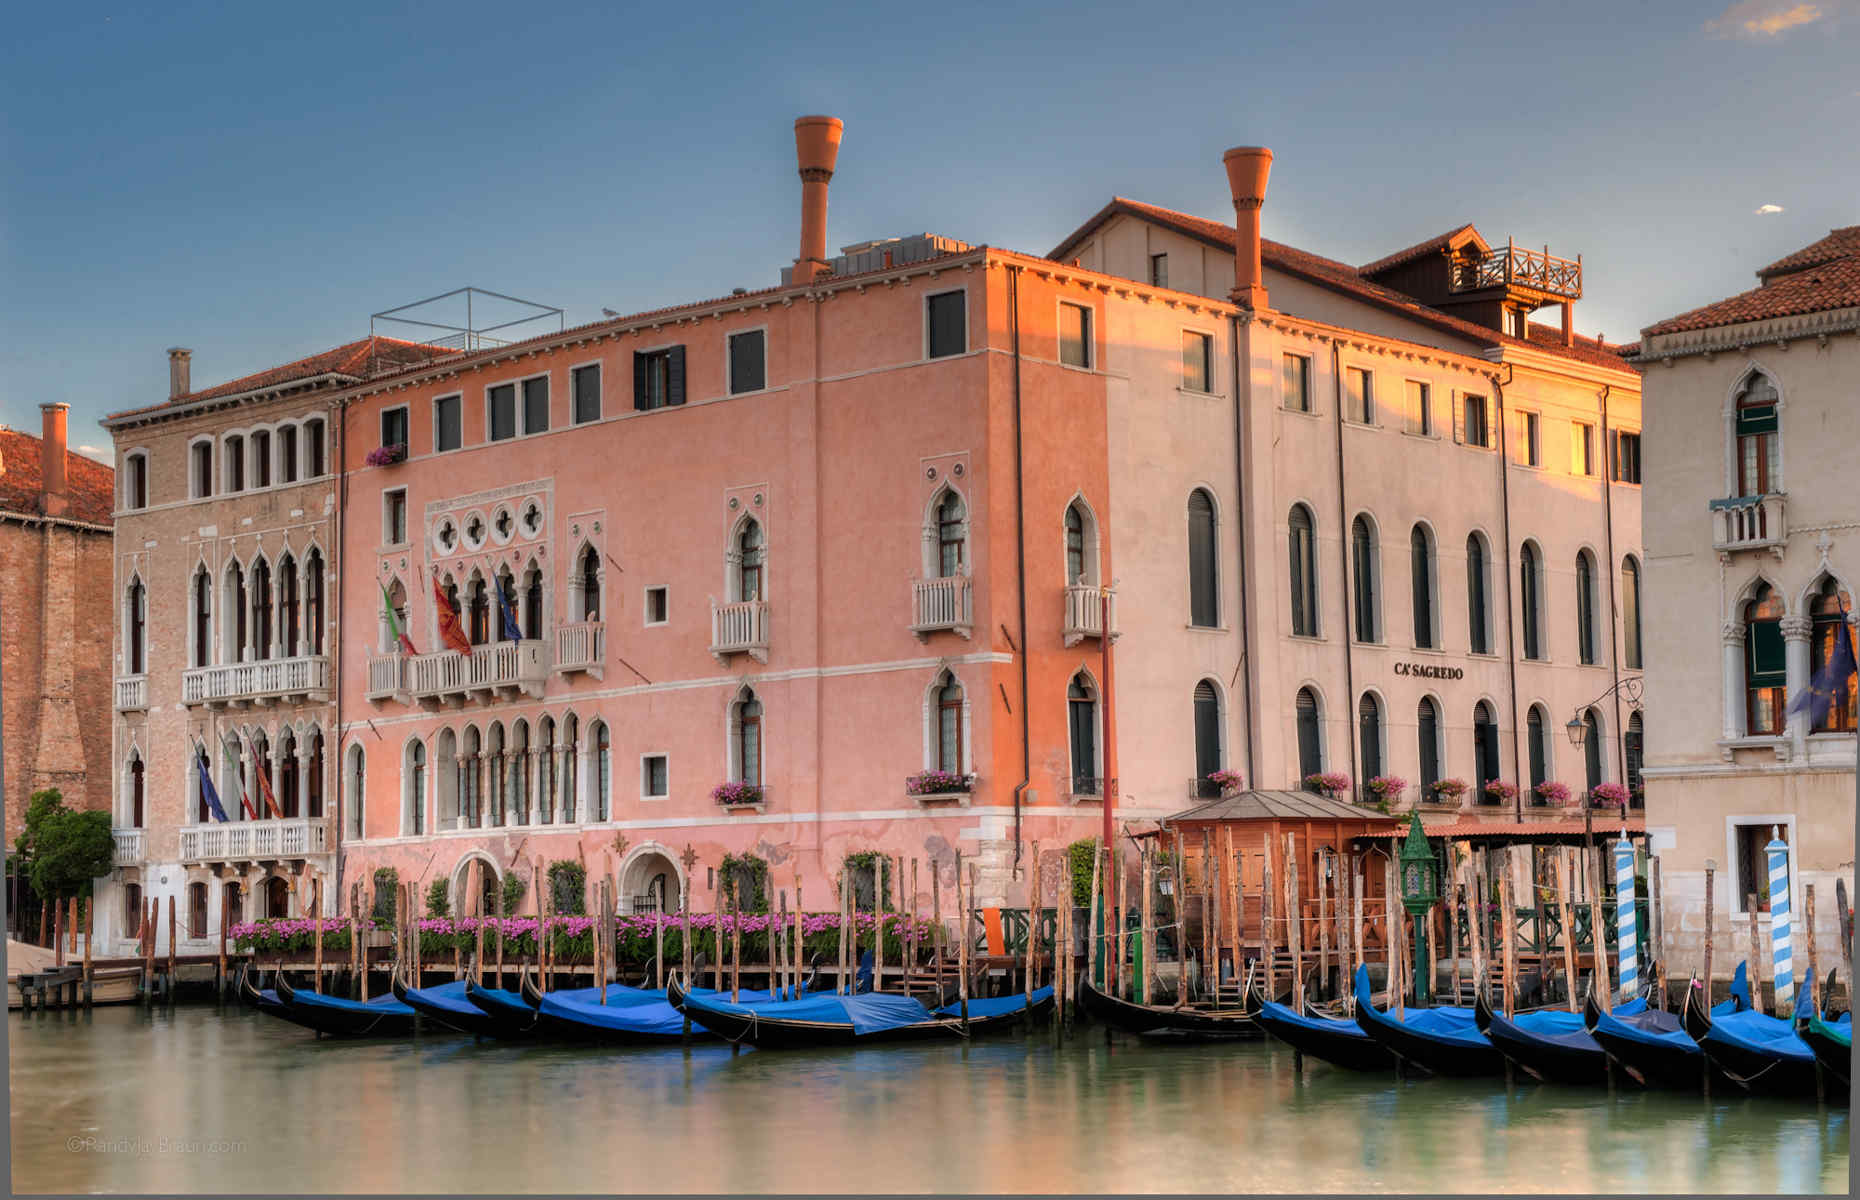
(1420, 891)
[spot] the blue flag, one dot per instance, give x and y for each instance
(505, 605)
(208, 796)
(1829, 683)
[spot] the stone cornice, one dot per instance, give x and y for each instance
(1741, 337)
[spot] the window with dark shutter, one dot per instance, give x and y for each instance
(748, 362)
(948, 316)
(585, 382)
(1207, 730)
(1363, 586)
(1475, 595)
(1310, 751)
(536, 405)
(503, 411)
(1485, 746)
(1421, 559)
(394, 427)
(448, 426)
(658, 378)
(1369, 721)
(1534, 742)
(1203, 597)
(1428, 723)
(1301, 541)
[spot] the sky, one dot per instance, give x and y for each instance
(252, 181)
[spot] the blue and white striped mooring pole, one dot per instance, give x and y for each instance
(1781, 954)
(1626, 935)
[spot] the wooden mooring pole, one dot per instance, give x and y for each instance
(1033, 927)
(962, 940)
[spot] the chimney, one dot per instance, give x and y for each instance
(816, 150)
(52, 498)
(1569, 327)
(1247, 170)
(179, 374)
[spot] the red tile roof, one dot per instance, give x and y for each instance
(1840, 243)
(1809, 289)
(1346, 279)
(89, 484)
(1452, 239)
(363, 359)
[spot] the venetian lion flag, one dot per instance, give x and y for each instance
(264, 784)
(209, 798)
(1826, 688)
(400, 635)
(450, 631)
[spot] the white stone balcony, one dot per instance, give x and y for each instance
(1749, 523)
(1084, 616)
(942, 604)
(252, 841)
(581, 647)
(268, 682)
(740, 628)
(132, 693)
(129, 847)
(387, 676)
(500, 668)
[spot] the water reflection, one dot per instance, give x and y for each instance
(259, 1105)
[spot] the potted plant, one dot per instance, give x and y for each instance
(1225, 782)
(1448, 791)
(387, 456)
(1608, 795)
(737, 794)
(1328, 783)
(1387, 789)
(1497, 791)
(939, 783)
(1552, 794)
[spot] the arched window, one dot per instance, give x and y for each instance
(1630, 613)
(749, 581)
(200, 467)
(951, 534)
(413, 817)
(1310, 739)
(263, 775)
(545, 768)
(313, 601)
(277, 896)
(203, 617)
(1530, 599)
(496, 771)
(138, 793)
(1586, 648)
(1421, 560)
(356, 790)
(1592, 749)
(949, 748)
(1478, 605)
(288, 602)
(136, 480)
(1427, 722)
(133, 912)
(1075, 545)
(233, 462)
(1766, 690)
(287, 454)
(1759, 451)
(261, 609)
(1363, 592)
(478, 610)
(1828, 611)
(505, 595)
(746, 733)
(288, 773)
(233, 604)
(471, 800)
(313, 443)
(1208, 756)
(1369, 734)
(1633, 752)
(532, 603)
(519, 785)
(232, 903)
(1082, 718)
(590, 585)
(1204, 607)
(603, 773)
(135, 628)
(197, 910)
(1302, 538)
(571, 769)
(1537, 743)
(1485, 746)
(261, 458)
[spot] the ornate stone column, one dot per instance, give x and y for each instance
(302, 745)
(1797, 631)
(567, 811)
(1733, 660)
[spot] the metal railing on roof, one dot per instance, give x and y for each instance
(426, 315)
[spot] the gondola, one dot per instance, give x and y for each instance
(1833, 1045)
(1339, 1041)
(832, 1019)
(265, 1000)
(334, 1016)
(1652, 1046)
(1756, 1051)
(511, 1018)
(1553, 1045)
(1163, 1022)
(1442, 1041)
(449, 1005)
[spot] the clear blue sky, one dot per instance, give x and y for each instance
(252, 180)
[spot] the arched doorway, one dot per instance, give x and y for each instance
(277, 896)
(649, 881)
(492, 881)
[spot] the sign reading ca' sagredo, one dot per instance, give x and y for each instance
(1429, 671)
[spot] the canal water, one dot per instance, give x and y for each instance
(198, 1100)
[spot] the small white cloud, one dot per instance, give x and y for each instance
(102, 454)
(1764, 210)
(1764, 18)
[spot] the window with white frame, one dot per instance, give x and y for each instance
(136, 480)
(394, 426)
(394, 517)
(658, 605)
(1159, 270)
(232, 462)
(1420, 408)
(1197, 361)
(1421, 575)
(316, 448)
(287, 454)
(1360, 394)
(948, 719)
(1476, 421)
(261, 458)
(655, 776)
(748, 361)
(1075, 335)
(448, 423)
(1627, 456)
(1581, 448)
(1365, 592)
(585, 383)
(1530, 439)
(946, 321)
(200, 470)
(536, 405)
(1295, 370)
(501, 412)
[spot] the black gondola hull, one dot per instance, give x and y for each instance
(507, 1019)
(1551, 1062)
(1155, 1021)
(780, 1033)
(1336, 1048)
(1836, 1060)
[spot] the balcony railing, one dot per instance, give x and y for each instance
(939, 604)
(132, 693)
(247, 841)
(1514, 266)
(128, 847)
(1084, 616)
(304, 677)
(1748, 523)
(498, 667)
(581, 647)
(740, 628)
(387, 675)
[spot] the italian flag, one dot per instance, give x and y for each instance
(387, 606)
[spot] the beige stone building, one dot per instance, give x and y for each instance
(1753, 544)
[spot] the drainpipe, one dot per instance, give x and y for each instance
(1614, 643)
(1343, 553)
(1020, 561)
(1511, 654)
(1235, 323)
(340, 424)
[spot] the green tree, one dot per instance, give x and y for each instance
(514, 887)
(387, 894)
(436, 901)
(568, 886)
(65, 850)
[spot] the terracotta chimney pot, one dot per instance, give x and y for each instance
(1248, 168)
(179, 372)
(816, 152)
(53, 497)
